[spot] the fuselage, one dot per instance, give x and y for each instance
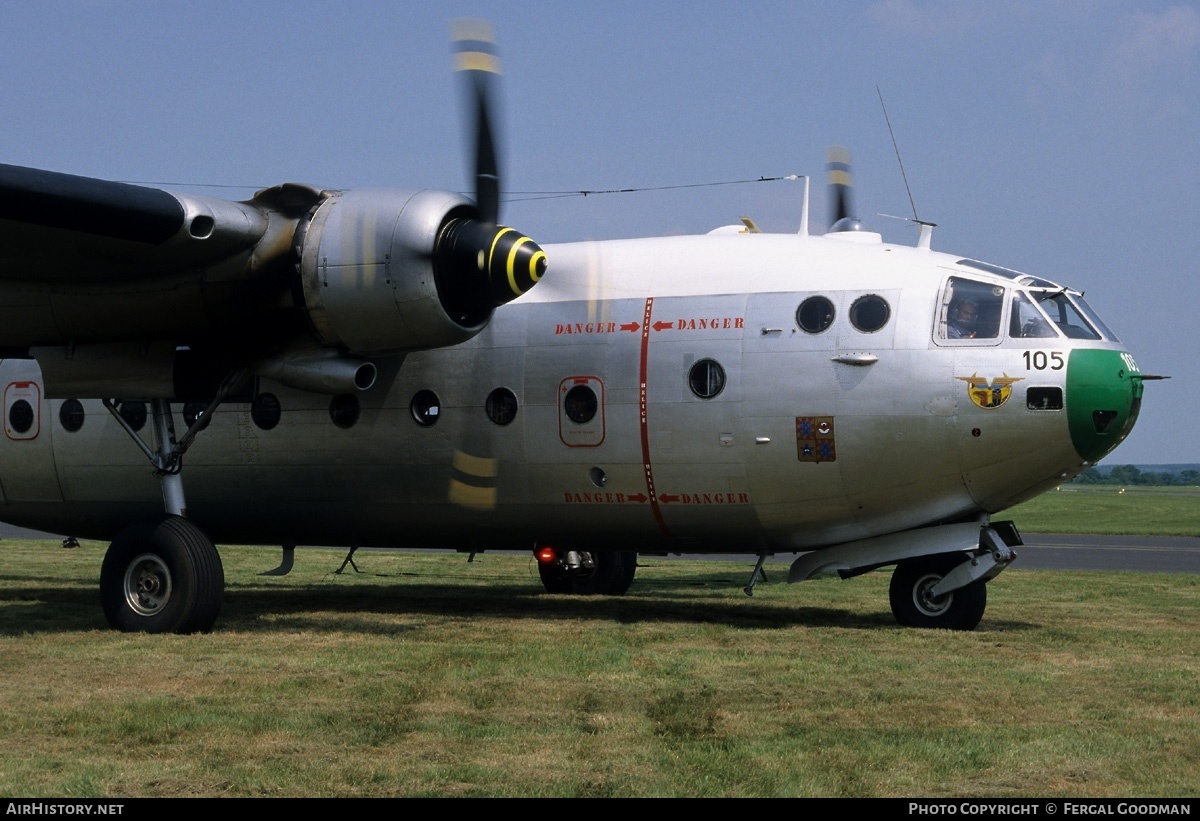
(728, 392)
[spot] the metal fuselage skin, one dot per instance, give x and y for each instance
(811, 440)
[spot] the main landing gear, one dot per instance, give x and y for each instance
(605, 573)
(163, 574)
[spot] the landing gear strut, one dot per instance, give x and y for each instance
(163, 574)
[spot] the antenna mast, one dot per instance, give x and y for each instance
(926, 227)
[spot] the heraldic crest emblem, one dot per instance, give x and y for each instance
(987, 394)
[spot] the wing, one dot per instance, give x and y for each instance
(120, 289)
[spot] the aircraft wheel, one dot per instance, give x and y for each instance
(162, 575)
(611, 574)
(913, 606)
(555, 577)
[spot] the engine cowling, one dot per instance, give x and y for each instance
(388, 271)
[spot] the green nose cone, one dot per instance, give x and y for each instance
(1104, 394)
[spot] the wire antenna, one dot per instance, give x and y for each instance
(896, 147)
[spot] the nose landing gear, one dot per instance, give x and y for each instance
(915, 602)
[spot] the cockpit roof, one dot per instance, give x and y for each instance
(1025, 280)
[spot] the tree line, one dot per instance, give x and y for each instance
(1132, 475)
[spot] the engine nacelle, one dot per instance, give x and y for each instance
(389, 271)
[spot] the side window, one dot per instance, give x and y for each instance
(265, 411)
(580, 404)
(192, 411)
(426, 408)
(22, 401)
(344, 410)
(71, 415)
(869, 313)
(501, 406)
(970, 310)
(133, 412)
(20, 416)
(814, 315)
(706, 378)
(581, 411)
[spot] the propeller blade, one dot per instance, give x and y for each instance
(476, 58)
(841, 183)
(479, 263)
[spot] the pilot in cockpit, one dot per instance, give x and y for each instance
(960, 324)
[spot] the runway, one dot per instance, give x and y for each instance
(1147, 554)
(1041, 551)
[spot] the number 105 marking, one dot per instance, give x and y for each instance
(1041, 360)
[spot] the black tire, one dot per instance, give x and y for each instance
(612, 575)
(554, 577)
(162, 575)
(913, 607)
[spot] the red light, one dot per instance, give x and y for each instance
(545, 555)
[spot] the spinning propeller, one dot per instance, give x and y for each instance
(841, 183)
(478, 247)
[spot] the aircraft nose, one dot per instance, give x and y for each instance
(1104, 395)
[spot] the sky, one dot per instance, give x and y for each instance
(1058, 138)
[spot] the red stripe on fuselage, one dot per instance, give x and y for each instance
(642, 422)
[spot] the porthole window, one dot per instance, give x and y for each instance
(815, 314)
(265, 411)
(344, 410)
(426, 408)
(20, 416)
(71, 415)
(869, 313)
(706, 378)
(501, 406)
(193, 411)
(580, 404)
(134, 414)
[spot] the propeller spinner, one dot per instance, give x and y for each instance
(471, 248)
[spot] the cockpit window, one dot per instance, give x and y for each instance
(970, 310)
(1063, 313)
(1026, 321)
(990, 268)
(1091, 317)
(1065, 308)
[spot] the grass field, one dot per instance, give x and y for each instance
(1153, 511)
(426, 675)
